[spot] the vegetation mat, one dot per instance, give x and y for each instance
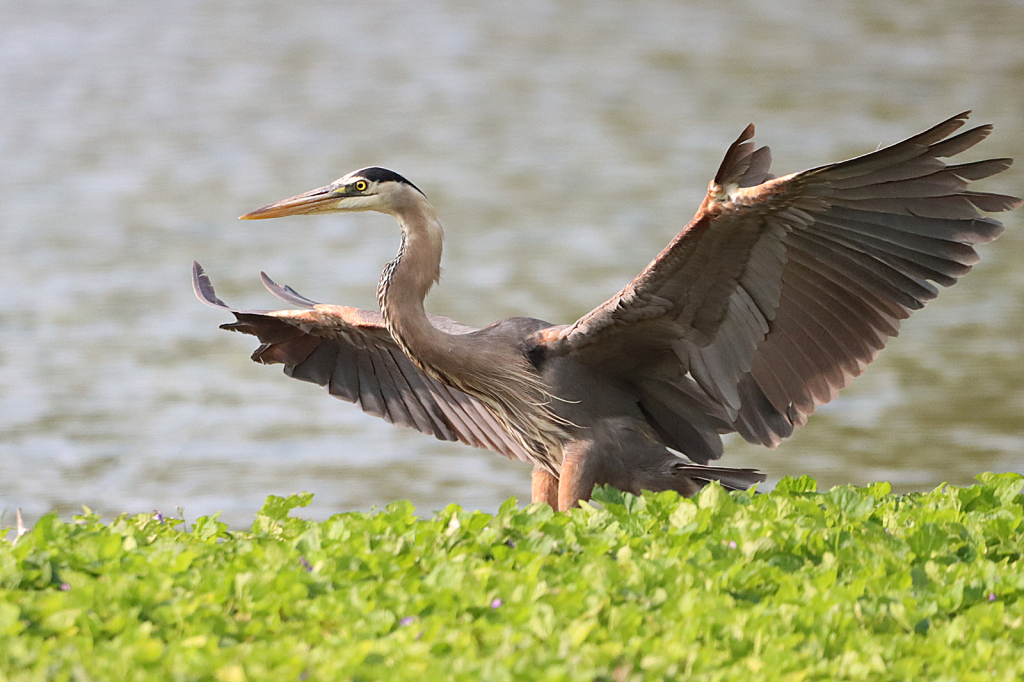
(855, 583)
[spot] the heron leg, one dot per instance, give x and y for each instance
(577, 480)
(544, 487)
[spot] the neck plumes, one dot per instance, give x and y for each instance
(486, 366)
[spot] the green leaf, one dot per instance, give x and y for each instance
(277, 508)
(10, 624)
(796, 486)
(684, 516)
(1006, 487)
(927, 540)
(852, 502)
(208, 528)
(609, 496)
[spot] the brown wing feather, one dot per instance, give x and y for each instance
(351, 353)
(777, 294)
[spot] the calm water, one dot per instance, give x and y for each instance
(564, 143)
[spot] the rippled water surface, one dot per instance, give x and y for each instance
(564, 143)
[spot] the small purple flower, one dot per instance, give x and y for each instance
(64, 587)
(158, 516)
(408, 620)
(991, 596)
(305, 564)
(496, 603)
(732, 544)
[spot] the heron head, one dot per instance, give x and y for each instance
(368, 189)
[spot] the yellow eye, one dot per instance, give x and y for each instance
(360, 185)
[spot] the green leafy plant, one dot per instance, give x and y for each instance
(854, 583)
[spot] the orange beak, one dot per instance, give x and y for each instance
(320, 199)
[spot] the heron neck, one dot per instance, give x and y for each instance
(407, 279)
(489, 368)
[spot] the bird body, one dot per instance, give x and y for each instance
(776, 294)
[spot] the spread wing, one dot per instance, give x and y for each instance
(350, 352)
(781, 290)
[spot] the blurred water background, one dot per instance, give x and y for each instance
(563, 142)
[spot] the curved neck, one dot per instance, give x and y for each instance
(407, 279)
(487, 367)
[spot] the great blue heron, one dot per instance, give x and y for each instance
(775, 295)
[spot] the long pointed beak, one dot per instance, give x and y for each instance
(319, 199)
